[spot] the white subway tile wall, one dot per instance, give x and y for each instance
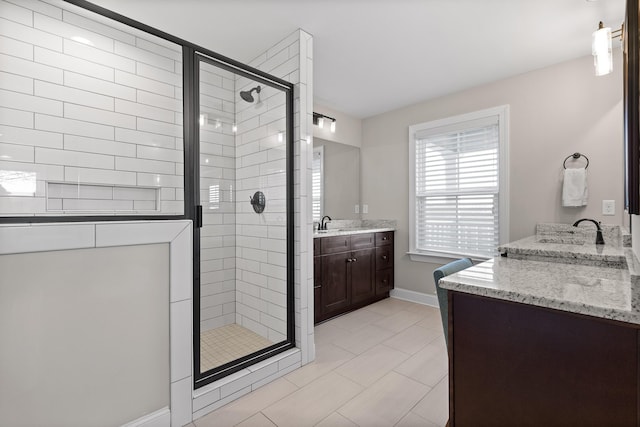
(217, 189)
(87, 105)
(243, 275)
(261, 264)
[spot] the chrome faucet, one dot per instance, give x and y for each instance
(323, 224)
(599, 239)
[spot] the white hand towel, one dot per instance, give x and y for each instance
(574, 189)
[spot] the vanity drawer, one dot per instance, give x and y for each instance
(335, 244)
(362, 241)
(384, 238)
(384, 281)
(384, 257)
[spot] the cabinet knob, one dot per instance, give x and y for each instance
(354, 259)
(384, 257)
(385, 238)
(349, 260)
(384, 280)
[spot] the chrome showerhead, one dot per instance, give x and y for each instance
(246, 94)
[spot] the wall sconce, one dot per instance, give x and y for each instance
(319, 119)
(601, 48)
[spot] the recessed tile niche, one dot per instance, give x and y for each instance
(66, 197)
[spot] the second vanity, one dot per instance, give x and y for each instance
(547, 334)
(353, 267)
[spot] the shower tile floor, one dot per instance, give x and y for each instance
(226, 343)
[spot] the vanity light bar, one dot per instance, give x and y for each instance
(318, 120)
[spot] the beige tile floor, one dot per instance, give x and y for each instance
(226, 343)
(383, 365)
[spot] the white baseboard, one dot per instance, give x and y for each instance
(159, 418)
(413, 296)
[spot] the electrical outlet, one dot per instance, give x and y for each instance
(365, 209)
(356, 209)
(608, 207)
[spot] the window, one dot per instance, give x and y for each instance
(458, 186)
(317, 183)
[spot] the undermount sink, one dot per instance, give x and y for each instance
(562, 240)
(327, 231)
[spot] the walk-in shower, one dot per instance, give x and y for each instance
(242, 285)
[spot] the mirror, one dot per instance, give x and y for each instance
(337, 178)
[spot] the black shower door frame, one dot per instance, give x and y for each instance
(192, 59)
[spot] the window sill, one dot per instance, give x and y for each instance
(442, 258)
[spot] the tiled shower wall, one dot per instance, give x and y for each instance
(217, 178)
(292, 59)
(243, 270)
(261, 263)
(90, 115)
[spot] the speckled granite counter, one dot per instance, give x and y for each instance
(346, 227)
(596, 281)
(347, 231)
(611, 254)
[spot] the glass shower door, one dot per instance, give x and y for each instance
(245, 307)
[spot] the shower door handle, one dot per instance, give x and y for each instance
(198, 219)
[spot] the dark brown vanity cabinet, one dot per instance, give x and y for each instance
(514, 364)
(351, 271)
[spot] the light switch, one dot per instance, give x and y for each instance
(365, 209)
(356, 209)
(608, 207)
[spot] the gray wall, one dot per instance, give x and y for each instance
(85, 336)
(554, 112)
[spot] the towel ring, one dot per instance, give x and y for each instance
(575, 156)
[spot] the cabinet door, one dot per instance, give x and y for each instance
(521, 365)
(362, 275)
(336, 289)
(317, 304)
(317, 288)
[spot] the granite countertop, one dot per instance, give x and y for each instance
(611, 254)
(599, 281)
(348, 231)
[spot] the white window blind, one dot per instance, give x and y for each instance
(317, 184)
(457, 188)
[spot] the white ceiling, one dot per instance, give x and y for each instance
(372, 56)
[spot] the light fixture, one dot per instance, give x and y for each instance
(318, 119)
(601, 48)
